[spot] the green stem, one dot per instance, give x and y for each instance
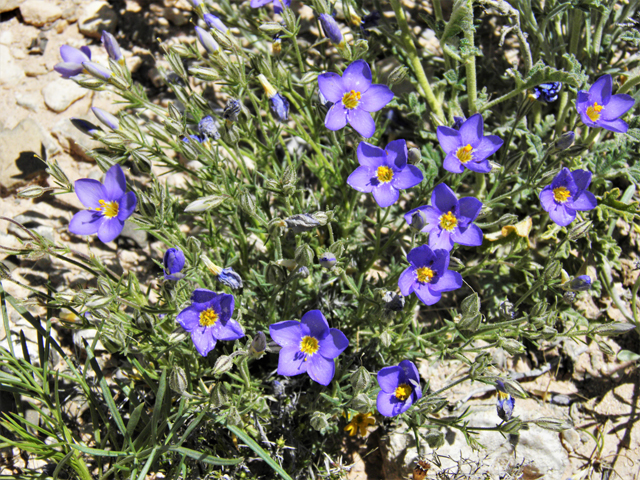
(630, 83)
(414, 59)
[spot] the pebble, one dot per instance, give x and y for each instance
(61, 93)
(8, 5)
(6, 37)
(72, 140)
(40, 12)
(29, 101)
(96, 17)
(10, 72)
(18, 150)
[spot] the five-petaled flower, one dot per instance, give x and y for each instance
(399, 388)
(109, 205)
(598, 108)
(277, 5)
(468, 147)
(72, 60)
(173, 262)
(359, 423)
(505, 402)
(353, 97)
(428, 276)
(208, 319)
(566, 194)
(308, 346)
(449, 220)
(384, 172)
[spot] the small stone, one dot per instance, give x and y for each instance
(8, 5)
(10, 72)
(176, 16)
(20, 150)
(61, 93)
(6, 38)
(35, 67)
(96, 17)
(40, 12)
(73, 141)
(131, 233)
(29, 101)
(70, 14)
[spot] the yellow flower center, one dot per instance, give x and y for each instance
(108, 209)
(309, 345)
(208, 317)
(502, 395)
(385, 174)
(425, 274)
(448, 221)
(561, 194)
(351, 99)
(465, 154)
(593, 112)
(403, 391)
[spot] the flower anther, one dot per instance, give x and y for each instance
(448, 221)
(593, 111)
(351, 99)
(385, 174)
(108, 209)
(208, 317)
(425, 274)
(561, 194)
(309, 345)
(465, 153)
(403, 392)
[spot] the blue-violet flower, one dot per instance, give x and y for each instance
(399, 388)
(106, 118)
(331, 29)
(173, 262)
(279, 104)
(547, 92)
(72, 60)
(229, 277)
(566, 194)
(206, 40)
(214, 22)
(598, 108)
(110, 44)
(277, 4)
(504, 403)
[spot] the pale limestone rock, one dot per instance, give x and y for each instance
(10, 72)
(8, 5)
(96, 17)
(61, 93)
(40, 12)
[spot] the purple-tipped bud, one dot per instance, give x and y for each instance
(96, 70)
(581, 283)
(230, 278)
(331, 29)
(258, 345)
(208, 129)
(457, 122)
(106, 118)
(110, 44)
(565, 141)
(195, 3)
(173, 262)
(327, 260)
(280, 106)
(206, 40)
(214, 22)
(418, 220)
(85, 127)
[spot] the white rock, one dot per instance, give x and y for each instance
(6, 37)
(8, 5)
(96, 17)
(40, 12)
(28, 100)
(61, 93)
(10, 72)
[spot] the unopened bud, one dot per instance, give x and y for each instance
(397, 75)
(302, 223)
(512, 427)
(385, 339)
(511, 346)
(33, 191)
(612, 329)
(319, 421)
(414, 156)
(553, 270)
(247, 203)
(417, 220)
(223, 364)
(362, 403)
(219, 396)
(557, 425)
(304, 255)
(178, 380)
(360, 379)
(271, 28)
(327, 260)
(565, 141)
(470, 305)
(258, 345)
(580, 230)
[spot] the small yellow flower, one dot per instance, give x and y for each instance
(360, 422)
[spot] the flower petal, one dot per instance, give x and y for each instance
(259, 3)
(230, 330)
(390, 377)
(481, 167)
(618, 126)
(471, 236)
(68, 69)
(321, 369)
(441, 239)
(189, 319)
(376, 97)
(582, 178)
(361, 121)
(110, 229)
(585, 201)
(385, 195)
(330, 85)
(333, 344)
(127, 205)
(370, 155)
(203, 340)
(424, 293)
(336, 117)
(562, 215)
(421, 256)
(409, 177)
(452, 164)
(618, 105)
(389, 406)
(357, 76)
(73, 55)
(115, 184)
(287, 333)
(470, 207)
(85, 222)
(487, 147)
(291, 362)
(406, 281)
(449, 139)
(396, 152)
(471, 131)
(314, 324)
(600, 91)
(227, 304)
(202, 298)
(444, 199)
(449, 280)
(360, 179)
(89, 192)
(410, 371)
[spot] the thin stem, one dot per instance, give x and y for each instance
(470, 64)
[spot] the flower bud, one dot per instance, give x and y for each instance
(85, 127)
(302, 223)
(397, 75)
(581, 283)
(327, 260)
(110, 44)
(612, 329)
(553, 270)
(97, 71)
(303, 272)
(304, 255)
(360, 379)
(271, 28)
(418, 221)
(386, 339)
(511, 346)
(565, 141)
(223, 364)
(233, 417)
(258, 345)
(219, 395)
(512, 427)
(470, 323)
(470, 305)
(580, 230)
(331, 29)
(275, 274)
(247, 203)
(319, 421)
(214, 22)
(207, 128)
(434, 438)
(204, 73)
(207, 41)
(212, 267)
(33, 191)
(414, 156)
(230, 278)
(106, 118)
(555, 424)
(205, 203)
(173, 262)
(362, 403)
(178, 380)
(231, 111)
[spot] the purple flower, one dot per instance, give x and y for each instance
(109, 205)
(505, 403)
(111, 46)
(399, 388)
(277, 5)
(97, 70)
(331, 29)
(566, 194)
(208, 320)
(598, 108)
(384, 172)
(581, 283)
(206, 40)
(428, 276)
(353, 97)
(106, 118)
(85, 127)
(72, 60)
(327, 260)
(308, 346)
(229, 277)
(449, 220)
(173, 262)
(279, 104)
(214, 22)
(468, 147)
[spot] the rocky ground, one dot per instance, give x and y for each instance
(573, 381)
